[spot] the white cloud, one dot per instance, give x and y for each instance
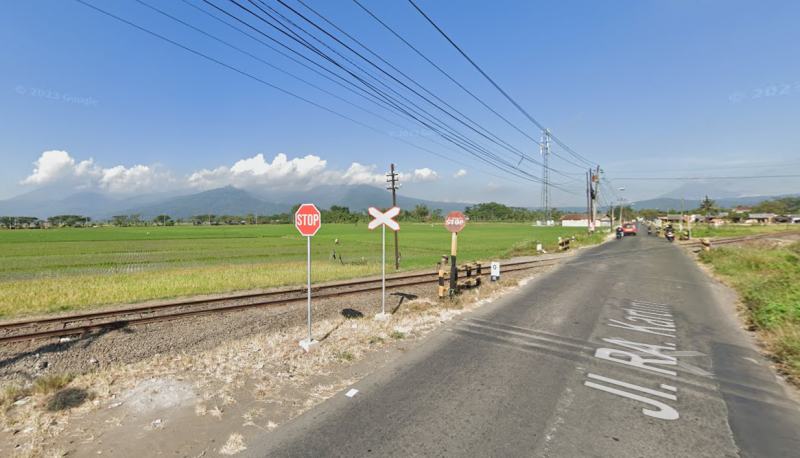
(55, 166)
(282, 172)
(460, 173)
(421, 175)
(493, 186)
(363, 174)
(60, 167)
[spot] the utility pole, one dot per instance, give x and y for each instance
(545, 151)
(588, 202)
(594, 192)
(393, 184)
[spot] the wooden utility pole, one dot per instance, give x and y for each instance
(394, 185)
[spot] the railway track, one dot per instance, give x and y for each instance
(741, 238)
(67, 327)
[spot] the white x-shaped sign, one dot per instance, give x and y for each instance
(384, 218)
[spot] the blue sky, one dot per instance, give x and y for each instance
(661, 90)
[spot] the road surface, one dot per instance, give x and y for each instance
(626, 350)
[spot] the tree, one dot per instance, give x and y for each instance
(421, 211)
(707, 205)
(770, 206)
(163, 219)
(120, 220)
(134, 219)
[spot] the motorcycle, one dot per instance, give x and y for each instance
(619, 233)
(649, 231)
(670, 236)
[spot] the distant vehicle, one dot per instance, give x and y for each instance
(629, 229)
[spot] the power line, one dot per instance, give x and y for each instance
(440, 70)
(399, 106)
(510, 99)
(259, 80)
(305, 43)
(483, 154)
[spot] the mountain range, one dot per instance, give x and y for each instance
(55, 200)
(52, 200)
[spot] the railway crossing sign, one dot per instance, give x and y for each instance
(384, 219)
(307, 220)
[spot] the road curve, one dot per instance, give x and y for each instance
(628, 349)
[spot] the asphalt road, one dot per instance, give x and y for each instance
(626, 350)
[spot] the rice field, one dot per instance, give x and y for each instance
(45, 271)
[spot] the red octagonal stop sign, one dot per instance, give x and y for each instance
(307, 219)
(455, 221)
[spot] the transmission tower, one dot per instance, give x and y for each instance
(545, 177)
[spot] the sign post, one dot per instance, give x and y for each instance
(384, 219)
(495, 271)
(307, 220)
(454, 222)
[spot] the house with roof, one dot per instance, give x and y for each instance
(761, 218)
(582, 220)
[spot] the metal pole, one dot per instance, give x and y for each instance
(383, 305)
(309, 289)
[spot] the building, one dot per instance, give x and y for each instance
(788, 219)
(582, 220)
(765, 218)
(742, 209)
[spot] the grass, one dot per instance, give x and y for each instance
(48, 271)
(768, 281)
(732, 230)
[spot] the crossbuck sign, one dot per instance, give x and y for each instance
(384, 219)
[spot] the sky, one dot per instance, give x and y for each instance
(658, 93)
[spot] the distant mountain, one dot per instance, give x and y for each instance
(666, 204)
(221, 201)
(354, 197)
(52, 201)
(697, 191)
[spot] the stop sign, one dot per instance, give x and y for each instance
(307, 219)
(455, 221)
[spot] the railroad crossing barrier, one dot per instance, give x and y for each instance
(706, 243)
(563, 244)
(472, 279)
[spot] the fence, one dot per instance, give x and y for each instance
(454, 286)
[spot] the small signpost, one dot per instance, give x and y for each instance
(454, 222)
(384, 219)
(307, 220)
(495, 271)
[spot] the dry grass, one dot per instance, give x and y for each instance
(234, 445)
